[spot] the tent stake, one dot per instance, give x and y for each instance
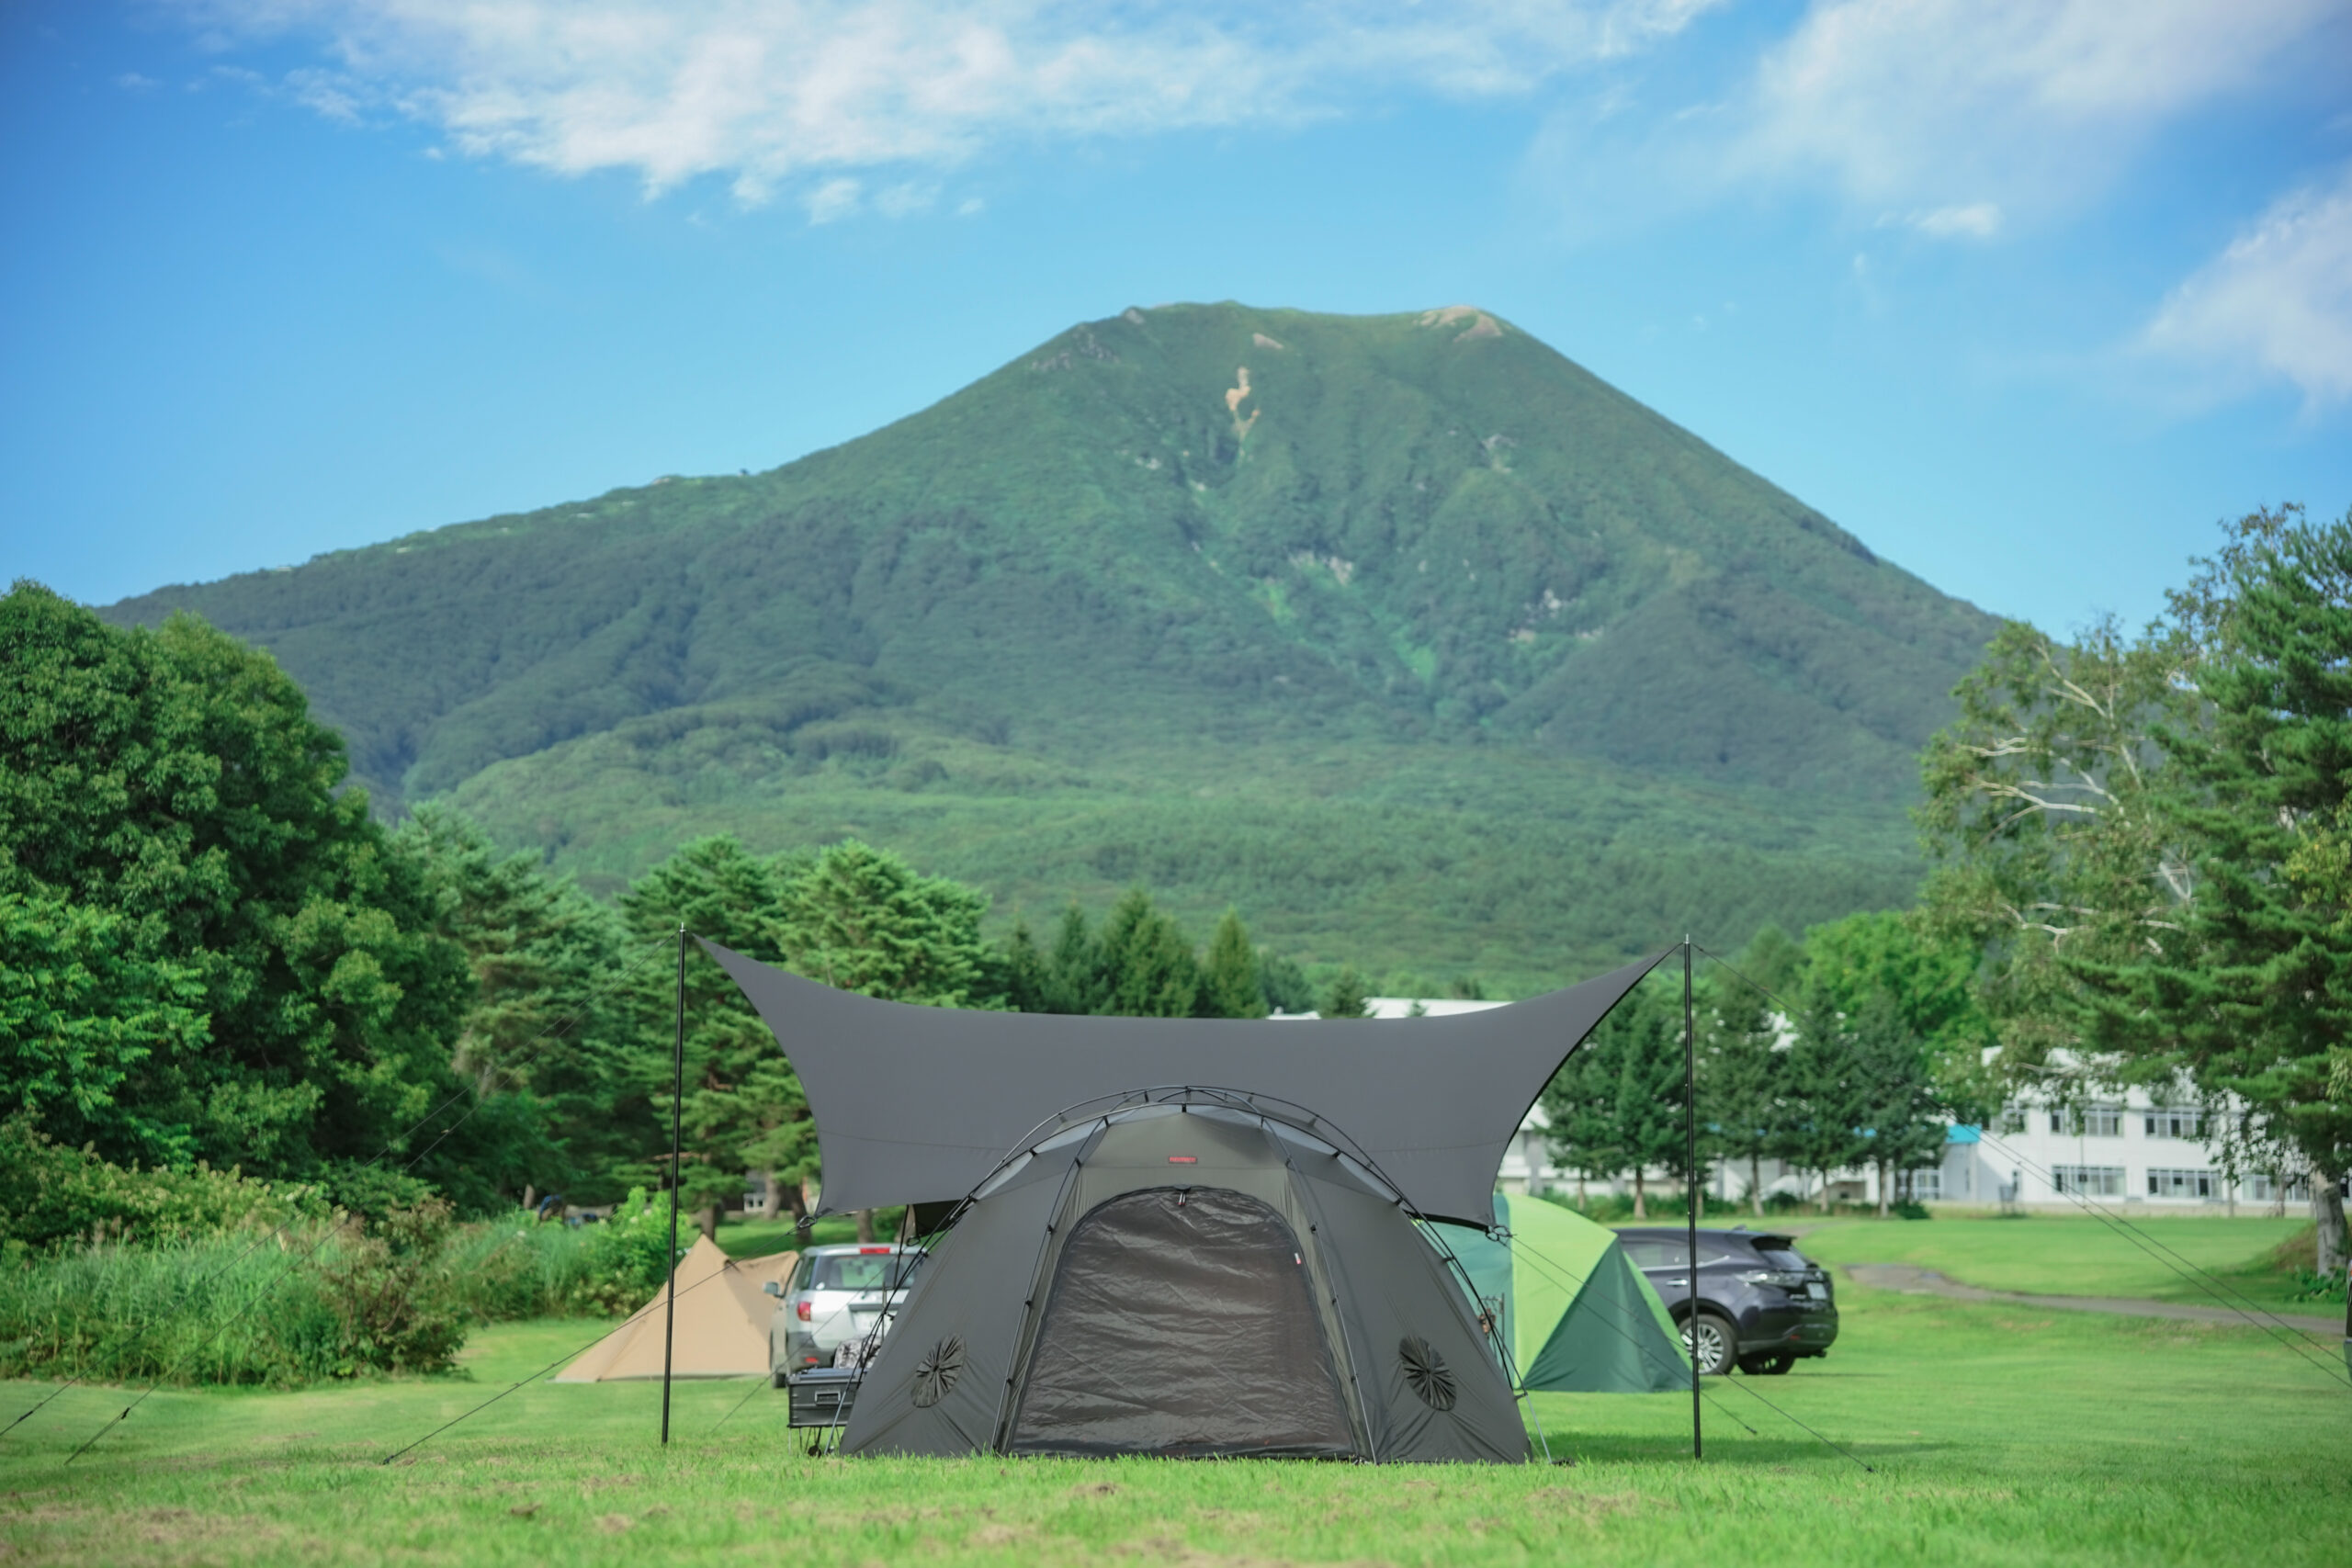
(1691, 1190)
(677, 1096)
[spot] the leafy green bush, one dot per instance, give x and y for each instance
(626, 1258)
(51, 1194)
(2310, 1285)
(271, 1310)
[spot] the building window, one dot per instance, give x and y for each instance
(2184, 1184)
(1924, 1186)
(2267, 1187)
(2011, 1120)
(2088, 1181)
(2175, 1121)
(2103, 1121)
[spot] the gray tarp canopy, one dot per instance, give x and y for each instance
(917, 1105)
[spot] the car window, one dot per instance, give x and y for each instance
(800, 1274)
(1784, 1258)
(861, 1271)
(1649, 1254)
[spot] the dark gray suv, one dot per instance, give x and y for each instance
(1763, 1303)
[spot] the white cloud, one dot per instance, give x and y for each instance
(764, 91)
(2278, 302)
(906, 199)
(1959, 105)
(327, 92)
(836, 198)
(132, 82)
(1977, 221)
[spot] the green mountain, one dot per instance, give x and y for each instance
(1403, 633)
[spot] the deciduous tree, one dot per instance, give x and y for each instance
(174, 780)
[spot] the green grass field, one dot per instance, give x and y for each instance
(1996, 1434)
(2073, 1256)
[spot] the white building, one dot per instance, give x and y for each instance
(2131, 1149)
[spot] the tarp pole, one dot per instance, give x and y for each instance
(1690, 1181)
(677, 1099)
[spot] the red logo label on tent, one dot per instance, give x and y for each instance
(1184, 1160)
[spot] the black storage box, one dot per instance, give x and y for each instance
(822, 1396)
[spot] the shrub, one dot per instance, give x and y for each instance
(51, 1194)
(626, 1257)
(274, 1310)
(397, 1300)
(2310, 1285)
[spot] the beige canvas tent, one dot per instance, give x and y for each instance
(722, 1328)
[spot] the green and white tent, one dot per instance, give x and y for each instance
(1578, 1317)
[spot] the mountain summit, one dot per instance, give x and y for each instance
(1179, 553)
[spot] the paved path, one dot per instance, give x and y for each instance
(1911, 1280)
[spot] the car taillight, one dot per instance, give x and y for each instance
(800, 1310)
(864, 1250)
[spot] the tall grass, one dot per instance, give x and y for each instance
(286, 1308)
(507, 1271)
(219, 1310)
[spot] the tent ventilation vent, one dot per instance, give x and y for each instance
(936, 1373)
(1425, 1372)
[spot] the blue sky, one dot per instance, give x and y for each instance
(2027, 296)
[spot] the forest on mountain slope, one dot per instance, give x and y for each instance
(1404, 633)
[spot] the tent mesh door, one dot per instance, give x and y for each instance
(1182, 1322)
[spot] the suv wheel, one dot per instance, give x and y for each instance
(1718, 1343)
(1769, 1366)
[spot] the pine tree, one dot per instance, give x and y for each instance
(1229, 981)
(860, 919)
(1825, 1130)
(1146, 967)
(1023, 967)
(1345, 998)
(1742, 1087)
(2253, 988)
(1650, 1087)
(741, 1101)
(1616, 1105)
(1900, 1114)
(1286, 985)
(1073, 971)
(542, 1042)
(1580, 1103)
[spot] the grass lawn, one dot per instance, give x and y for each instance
(1998, 1435)
(2068, 1254)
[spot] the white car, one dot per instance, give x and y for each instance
(835, 1303)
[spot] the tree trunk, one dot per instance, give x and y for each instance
(1641, 1204)
(772, 1195)
(797, 1206)
(707, 1219)
(1755, 1185)
(2327, 1219)
(809, 1197)
(1822, 1201)
(866, 1225)
(1885, 1188)
(530, 1195)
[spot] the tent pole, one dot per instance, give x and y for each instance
(677, 1096)
(1690, 1177)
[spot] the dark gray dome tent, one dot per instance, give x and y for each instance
(1176, 1236)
